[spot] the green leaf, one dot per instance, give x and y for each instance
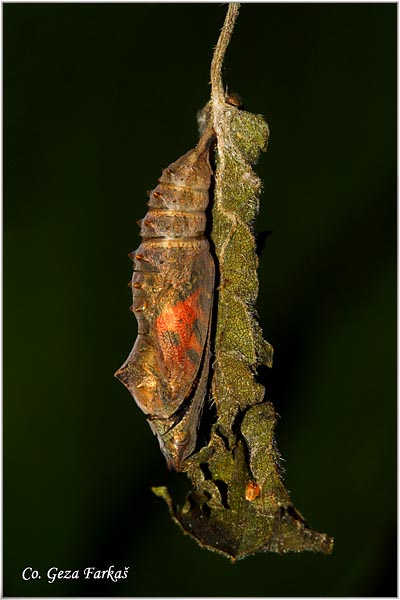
(239, 504)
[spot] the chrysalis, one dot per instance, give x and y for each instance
(173, 284)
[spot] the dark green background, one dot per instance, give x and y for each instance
(97, 99)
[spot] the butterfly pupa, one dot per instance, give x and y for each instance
(173, 286)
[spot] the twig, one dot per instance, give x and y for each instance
(217, 89)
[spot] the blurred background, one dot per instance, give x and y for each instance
(98, 98)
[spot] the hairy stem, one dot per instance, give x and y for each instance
(217, 89)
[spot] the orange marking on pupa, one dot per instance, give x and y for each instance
(179, 319)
